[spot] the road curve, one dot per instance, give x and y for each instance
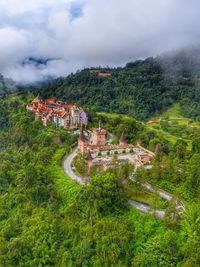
(146, 209)
(163, 194)
(67, 167)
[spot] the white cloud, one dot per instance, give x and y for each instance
(16, 7)
(106, 32)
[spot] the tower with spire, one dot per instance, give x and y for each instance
(82, 142)
(123, 140)
(99, 138)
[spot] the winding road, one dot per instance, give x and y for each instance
(67, 167)
(147, 209)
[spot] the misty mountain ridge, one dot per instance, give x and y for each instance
(37, 62)
(180, 61)
(7, 85)
(173, 63)
(143, 88)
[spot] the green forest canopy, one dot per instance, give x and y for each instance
(141, 89)
(48, 220)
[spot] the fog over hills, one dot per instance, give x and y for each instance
(7, 85)
(176, 62)
(67, 35)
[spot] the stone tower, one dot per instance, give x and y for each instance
(123, 140)
(99, 138)
(82, 142)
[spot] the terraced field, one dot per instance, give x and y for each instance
(172, 126)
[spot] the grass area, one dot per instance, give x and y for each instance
(144, 196)
(114, 115)
(173, 115)
(170, 125)
(66, 188)
(177, 126)
(169, 137)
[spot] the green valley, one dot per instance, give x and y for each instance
(49, 220)
(99, 133)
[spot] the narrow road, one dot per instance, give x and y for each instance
(146, 209)
(67, 166)
(163, 194)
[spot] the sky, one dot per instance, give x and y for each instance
(67, 35)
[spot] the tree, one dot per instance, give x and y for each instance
(190, 228)
(104, 193)
(193, 175)
(80, 163)
(113, 238)
(180, 148)
(196, 145)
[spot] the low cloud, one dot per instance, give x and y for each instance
(74, 34)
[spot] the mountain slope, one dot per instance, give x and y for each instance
(141, 89)
(7, 85)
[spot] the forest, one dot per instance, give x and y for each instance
(141, 89)
(48, 220)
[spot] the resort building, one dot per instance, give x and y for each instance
(97, 146)
(62, 114)
(98, 143)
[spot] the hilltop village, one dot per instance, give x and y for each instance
(98, 150)
(69, 116)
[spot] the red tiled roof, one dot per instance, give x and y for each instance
(36, 100)
(51, 106)
(43, 107)
(68, 106)
(34, 110)
(59, 112)
(59, 102)
(50, 101)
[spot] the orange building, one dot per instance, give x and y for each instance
(99, 147)
(62, 114)
(99, 138)
(99, 143)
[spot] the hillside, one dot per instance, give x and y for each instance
(7, 85)
(48, 220)
(173, 126)
(141, 89)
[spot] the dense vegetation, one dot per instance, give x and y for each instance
(173, 165)
(48, 220)
(7, 85)
(141, 89)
